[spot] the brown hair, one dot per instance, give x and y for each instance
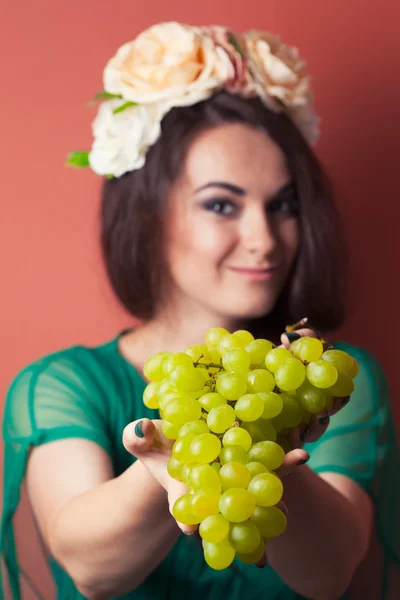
(133, 207)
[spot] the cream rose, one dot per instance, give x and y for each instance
(278, 69)
(281, 79)
(122, 140)
(170, 62)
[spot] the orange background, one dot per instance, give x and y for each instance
(53, 291)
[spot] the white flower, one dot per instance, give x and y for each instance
(121, 140)
(168, 62)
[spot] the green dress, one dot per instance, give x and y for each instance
(93, 393)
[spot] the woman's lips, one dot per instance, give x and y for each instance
(255, 274)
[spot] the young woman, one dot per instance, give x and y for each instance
(215, 213)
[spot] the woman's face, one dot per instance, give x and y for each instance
(232, 229)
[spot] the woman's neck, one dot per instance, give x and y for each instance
(169, 334)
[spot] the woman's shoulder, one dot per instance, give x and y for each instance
(76, 367)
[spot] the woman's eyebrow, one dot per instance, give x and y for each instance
(229, 187)
(288, 187)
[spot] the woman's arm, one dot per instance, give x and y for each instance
(107, 533)
(327, 535)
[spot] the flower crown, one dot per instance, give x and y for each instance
(170, 65)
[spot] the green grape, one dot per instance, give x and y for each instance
(268, 453)
(290, 416)
(237, 436)
(172, 361)
(254, 431)
(174, 468)
(244, 537)
(204, 477)
(205, 503)
(181, 450)
(322, 374)
(199, 353)
(234, 475)
(186, 470)
(260, 380)
(214, 335)
(187, 379)
(343, 387)
(181, 410)
(165, 398)
(295, 346)
(219, 419)
(228, 342)
(182, 511)
(273, 404)
(211, 400)
(354, 369)
(251, 558)
(237, 504)
(245, 336)
(205, 448)
(150, 397)
(218, 556)
(249, 407)
(233, 454)
(266, 488)
(267, 429)
(216, 466)
(311, 399)
(310, 349)
(343, 362)
(258, 350)
(284, 443)
(152, 369)
(270, 521)
(290, 375)
(255, 468)
(276, 357)
(196, 427)
(214, 529)
(231, 385)
(170, 430)
(236, 360)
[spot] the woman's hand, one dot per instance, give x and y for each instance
(145, 440)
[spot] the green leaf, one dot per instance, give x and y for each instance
(78, 159)
(123, 107)
(103, 96)
(109, 176)
(234, 42)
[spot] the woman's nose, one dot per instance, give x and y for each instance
(257, 235)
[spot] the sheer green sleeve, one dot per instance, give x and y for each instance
(57, 397)
(361, 444)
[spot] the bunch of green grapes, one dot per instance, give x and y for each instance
(230, 404)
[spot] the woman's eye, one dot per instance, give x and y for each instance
(222, 207)
(286, 206)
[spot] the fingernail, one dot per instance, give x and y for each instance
(292, 336)
(345, 400)
(304, 460)
(138, 429)
(324, 420)
(303, 435)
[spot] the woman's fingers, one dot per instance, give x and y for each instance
(288, 338)
(293, 460)
(144, 436)
(176, 489)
